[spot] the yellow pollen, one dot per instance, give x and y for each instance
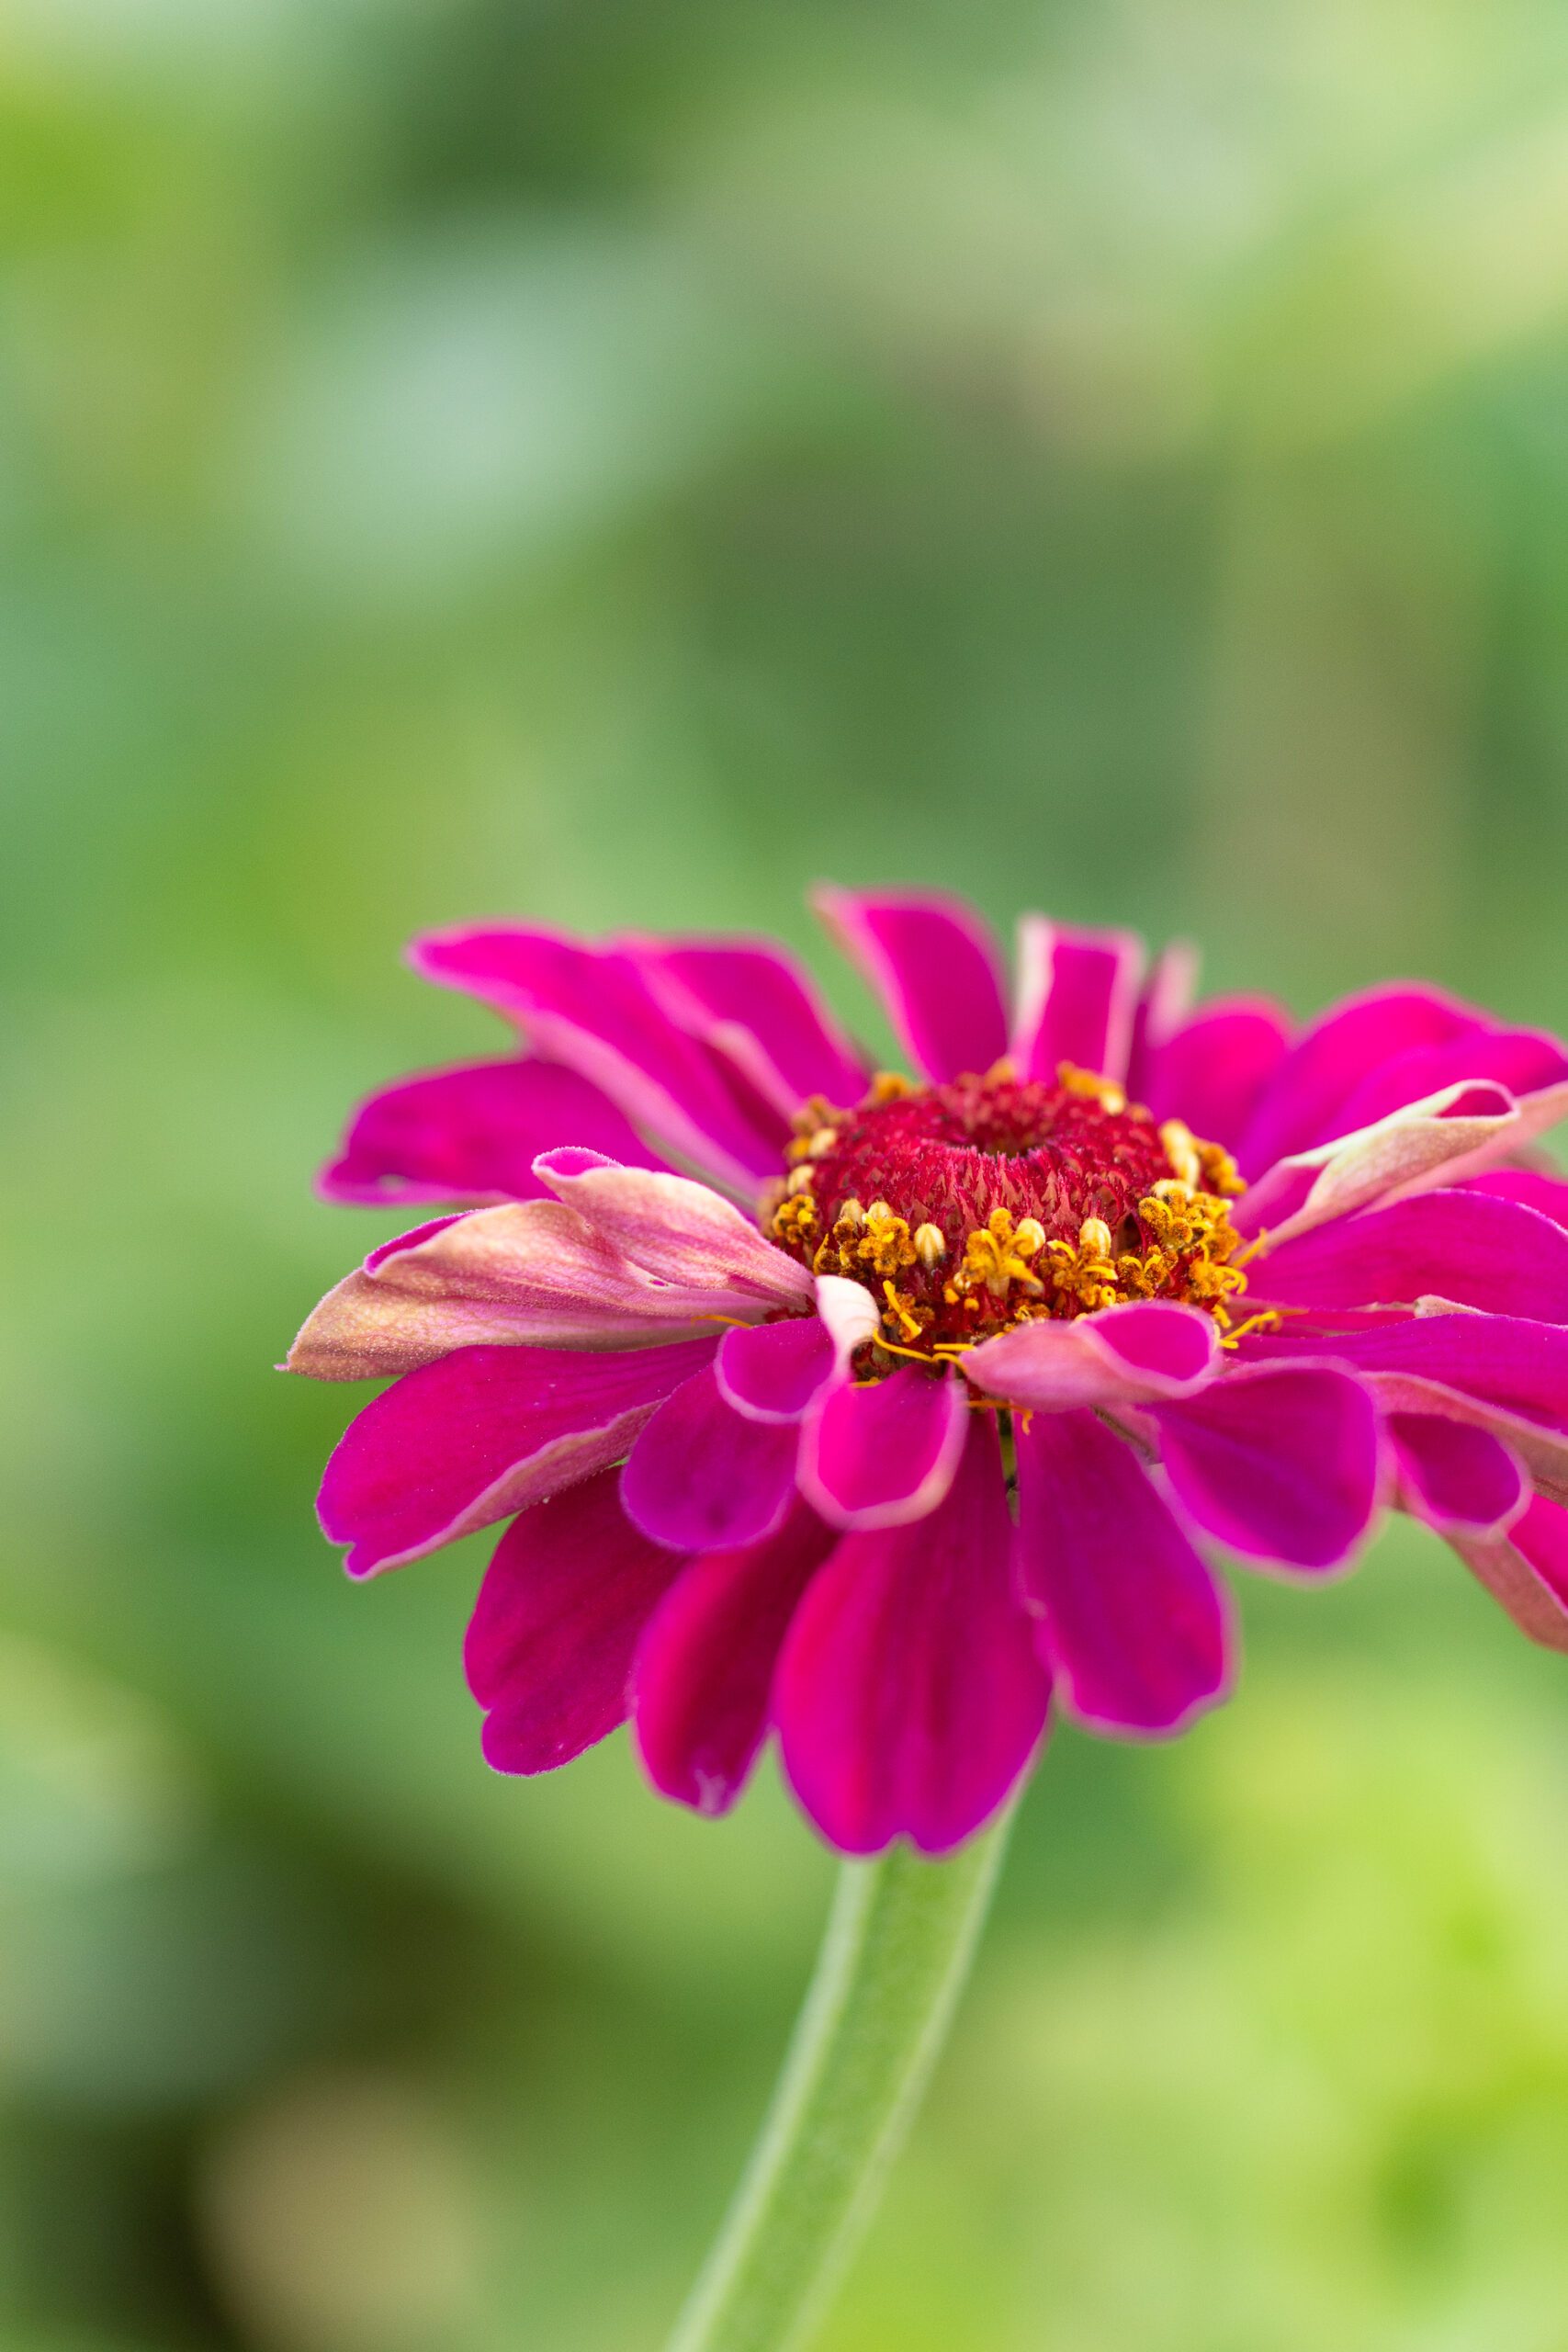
(1220, 1170)
(1181, 1152)
(1092, 1087)
(885, 1246)
(901, 1310)
(1086, 1274)
(1094, 1237)
(851, 1216)
(799, 1180)
(795, 1219)
(820, 1143)
(891, 1085)
(931, 1245)
(997, 1256)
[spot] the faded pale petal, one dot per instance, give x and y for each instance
(678, 1232)
(549, 1648)
(1120, 1356)
(531, 1274)
(1301, 1104)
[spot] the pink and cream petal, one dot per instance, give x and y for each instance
(884, 1453)
(473, 1134)
(468, 1440)
(680, 1233)
(531, 1274)
(1522, 1060)
(1526, 1571)
(1283, 1465)
(936, 967)
(705, 1668)
(1123, 1355)
(1134, 1626)
(1454, 1134)
(1479, 1250)
(593, 1009)
(563, 1603)
(909, 1698)
(1459, 1478)
(701, 1477)
(1077, 996)
(755, 1005)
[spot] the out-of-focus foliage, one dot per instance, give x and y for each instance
(616, 462)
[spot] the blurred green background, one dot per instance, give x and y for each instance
(615, 461)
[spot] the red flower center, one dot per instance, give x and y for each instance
(969, 1208)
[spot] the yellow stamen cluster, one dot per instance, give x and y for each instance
(1093, 1088)
(1086, 1273)
(998, 1254)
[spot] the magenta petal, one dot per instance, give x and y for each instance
(1526, 1571)
(1460, 1244)
(1548, 1195)
(593, 1008)
(483, 1432)
(1211, 1071)
(879, 1455)
(1521, 1059)
(1078, 993)
(936, 968)
(473, 1134)
(1506, 1360)
(704, 1669)
(755, 1004)
(700, 1478)
(909, 1698)
(1460, 1479)
(549, 1648)
(1135, 1625)
(1120, 1355)
(1282, 1465)
(774, 1372)
(1300, 1105)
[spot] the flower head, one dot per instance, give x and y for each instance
(874, 1410)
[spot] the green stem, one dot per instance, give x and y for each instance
(900, 1940)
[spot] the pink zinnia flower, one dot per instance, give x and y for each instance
(754, 1345)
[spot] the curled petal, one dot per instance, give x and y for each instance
(1543, 1452)
(705, 1668)
(1134, 1626)
(700, 1478)
(1450, 1136)
(1077, 994)
(1526, 1571)
(482, 1433)
(679, 1232)
(1121, 1356)
(1460, 1479)
(886, 1453)
(1282, 1465)
(755, 1005)
(592, 1008)
(549, 1648)
(775, 1372)
(1484, 1252)
(532, 1273)
(908, 1697)
(473, 1134)
(935, 967)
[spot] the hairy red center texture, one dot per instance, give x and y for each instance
(969, 1207)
